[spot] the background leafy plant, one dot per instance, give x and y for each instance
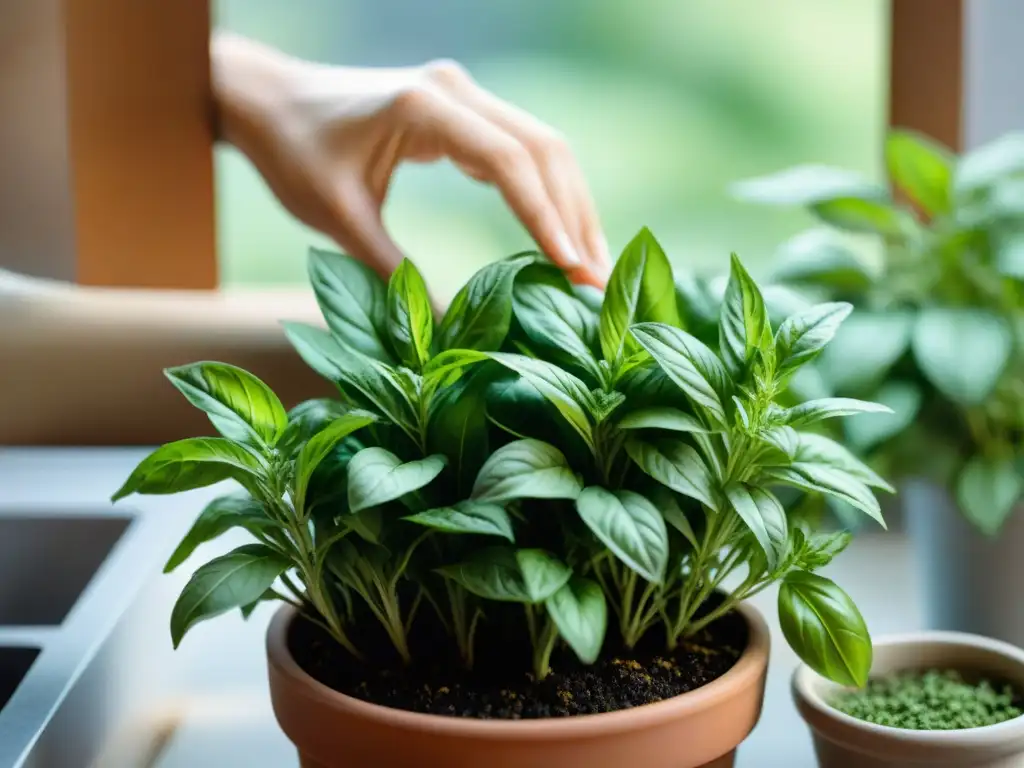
(938, 331)
(579, 461)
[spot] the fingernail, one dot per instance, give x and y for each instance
(567, 250)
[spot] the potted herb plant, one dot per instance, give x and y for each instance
(523, 535)
(937, 337)
(935, 698)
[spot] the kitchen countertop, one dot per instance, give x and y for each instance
(224, 717)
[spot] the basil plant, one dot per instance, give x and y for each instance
(940, 323)
(577, 464)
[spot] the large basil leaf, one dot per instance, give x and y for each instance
(376, 476)
(580, 612)
(238, 510)
(543, 573)
(410, 318)
(864, 349)
(829, 408)
(763, 515)
(671, 419)
(563, 390)
(526, 469)
(922, 169)
(191, 463)
(458, 428)
(859, 215)
(832, 481)
(385, 390)
(231, 581)
(640, 289)
(557, 323)
(467, 517)
(743, 321)
(630, 526)
(676, 465)
(802, 337)
(962, 351)
(493, 574)
(820, 257)
(317, 348)
(987, 490)
(449, 366)
(823, 626)
(807, 185)
(989, 163)
(817, 449)
(480, 314)
(691, 365)
(318, 448)
(241, 407)
(353, 300)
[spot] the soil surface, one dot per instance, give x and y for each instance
(500, 685)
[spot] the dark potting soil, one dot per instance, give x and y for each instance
(500, 685)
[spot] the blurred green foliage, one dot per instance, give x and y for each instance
(665, 102)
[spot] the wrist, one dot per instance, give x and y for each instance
(249, 82)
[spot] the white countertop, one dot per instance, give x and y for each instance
(226, 720)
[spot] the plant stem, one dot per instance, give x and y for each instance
(542, 649)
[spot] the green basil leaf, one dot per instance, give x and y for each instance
(458, 429)
(1009, 251)
(821, 478)
(763, 515)
(698, 304)
(819, 257)
(306, 419)
(267, 597)
(818, 449)
(630, 526)
(922, 169)
(556, 323)
(665, 501)
(580, 612)
(563, 390)
(823, 626)
(319, 446)
(671, 419)
(989, 163)
(328, 486)
(829, 408)
(543, 573)
(449, 366)
(317, 348)
(691, 365)
(858, 215)
(526, 469)
(191, 463)
(467, 517)
(493, 574)
(676, 465)
(410, 318)
(368, 524)
(784, 439)
(231, 581)
(864, 348)
(591, 297)
(743, 321)
(640, 289)
(353, 300)
(807, 185)
(385, 390)
(818, 549)
(480, 314)
(802, 337)
(962, 352)
(987, 490)
(241, 407)
(238, 510)
(377, 476)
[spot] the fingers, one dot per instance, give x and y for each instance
(490, 154)
(361, 231)
(555, 164)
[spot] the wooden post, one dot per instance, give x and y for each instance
(106, 174)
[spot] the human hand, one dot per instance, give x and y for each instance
(328, 140)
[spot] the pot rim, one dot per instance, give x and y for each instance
(744, 673)
(807, 684)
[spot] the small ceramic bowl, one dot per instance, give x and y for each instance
(841, 741)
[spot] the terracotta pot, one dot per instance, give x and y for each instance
(700, 728)
(841, 741)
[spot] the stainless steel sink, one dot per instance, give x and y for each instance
(84, 644)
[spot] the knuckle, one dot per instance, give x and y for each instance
(414, 100)
(447, 73)
(509, 157)
(552, 148)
